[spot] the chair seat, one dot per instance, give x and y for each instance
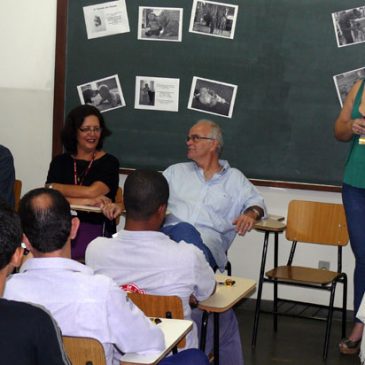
(303, 274)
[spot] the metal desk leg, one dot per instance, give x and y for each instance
(203, 330)
(275, 283)
(216, 338)
(259, 291)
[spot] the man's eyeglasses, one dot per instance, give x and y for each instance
(90, 129)
(196, 138)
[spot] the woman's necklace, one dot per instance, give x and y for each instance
(78, 180)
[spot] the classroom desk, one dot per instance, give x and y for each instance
(174, 330)
(224, 298)
(86, 208)
(268, 226)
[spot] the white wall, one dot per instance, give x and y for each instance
(27, 41)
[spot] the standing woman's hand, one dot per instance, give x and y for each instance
(345, 126)
(358, 126)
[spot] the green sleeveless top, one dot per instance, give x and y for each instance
(355, 164)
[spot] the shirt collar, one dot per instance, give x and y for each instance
(55, 263)
(125, 234)
(223, 163)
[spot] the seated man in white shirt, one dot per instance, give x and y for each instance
(218, 200)
(28, 334)
(142, 259)
(84, 304)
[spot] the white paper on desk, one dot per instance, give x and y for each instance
(106, 19)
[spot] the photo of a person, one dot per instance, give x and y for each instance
(147, 93)
(213, 18)
(349, 26)
(345, 81)
(99, 23)
(156, 93)
(108, 96)
(213, 97)
(209, 97)
(160, 24)
(104, 94)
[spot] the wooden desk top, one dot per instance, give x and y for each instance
(225, 297)
(86, 208)
(174, 330)
(270, 225)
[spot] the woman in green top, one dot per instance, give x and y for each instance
(350, 126)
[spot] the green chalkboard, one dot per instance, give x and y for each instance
(282, 58)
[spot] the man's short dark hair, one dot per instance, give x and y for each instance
(10, 233)
(46, 222)
(144, 192)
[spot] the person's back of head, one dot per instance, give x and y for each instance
(144, 192)
(46, 219)
(10, 234)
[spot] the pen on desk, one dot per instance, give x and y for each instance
(227, 282)
(156, 320)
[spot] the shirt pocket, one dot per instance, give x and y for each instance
(220, 203)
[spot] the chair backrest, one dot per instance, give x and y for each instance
(159, 306)
(118, 199)
(316, 222)
(84, 351)
(17, 190)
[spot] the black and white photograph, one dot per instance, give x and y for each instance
(157, 93)
(345, 81)
(106, 19)
(349, 26)
(213, 97)
(214, 19)
(105, 94)
(160, 24)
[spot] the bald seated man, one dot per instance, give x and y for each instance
(28, 334)
(83, 304)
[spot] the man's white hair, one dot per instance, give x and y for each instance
(215, 132)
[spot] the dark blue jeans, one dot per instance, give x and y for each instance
(186, 357)
(187, 232)
(354, 202)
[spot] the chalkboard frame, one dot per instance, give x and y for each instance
(60, 99)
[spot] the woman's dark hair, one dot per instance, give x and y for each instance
(73, 122)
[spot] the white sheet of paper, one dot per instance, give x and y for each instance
(106, 19)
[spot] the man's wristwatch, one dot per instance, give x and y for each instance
(256, 211)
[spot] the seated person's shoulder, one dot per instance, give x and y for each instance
(12, 310)
(177, 167)
(111, 159)
(5, 152)
(62, 158)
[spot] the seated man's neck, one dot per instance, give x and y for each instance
(64, 252)
(142, 225)
(210, 167)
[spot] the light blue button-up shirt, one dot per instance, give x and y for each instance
(210, 205)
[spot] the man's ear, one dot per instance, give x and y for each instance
(16, 259)
(27, 243)
(162, 210)
(75, 224)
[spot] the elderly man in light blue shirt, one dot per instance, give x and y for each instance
(218, 200)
